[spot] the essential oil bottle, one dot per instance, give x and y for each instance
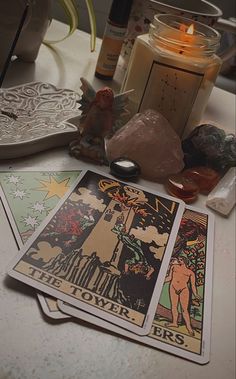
(113, 38)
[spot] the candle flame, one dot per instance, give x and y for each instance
(190, 29)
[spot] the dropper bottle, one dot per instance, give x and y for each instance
(113, 38)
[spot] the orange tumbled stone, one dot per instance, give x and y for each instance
(182, 187)
(205, 177)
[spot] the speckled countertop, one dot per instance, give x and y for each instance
(33, 346)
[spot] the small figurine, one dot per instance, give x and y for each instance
(102, 114)
(98, 120)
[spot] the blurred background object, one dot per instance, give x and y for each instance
(24, 23)
(226, 80)
(101, 8)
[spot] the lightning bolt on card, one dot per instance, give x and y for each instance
(182, 322)
(105, 250)
(28, 197)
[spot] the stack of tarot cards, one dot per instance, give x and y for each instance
(115, 254)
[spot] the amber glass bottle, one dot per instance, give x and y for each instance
(113, 38)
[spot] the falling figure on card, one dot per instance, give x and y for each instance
(137, 263)
(102, 114)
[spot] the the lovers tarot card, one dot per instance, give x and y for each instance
(105, 249)
(182, 323)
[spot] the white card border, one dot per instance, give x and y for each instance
(88, 308)
(17, 236)
(57, 315)
(207, 315)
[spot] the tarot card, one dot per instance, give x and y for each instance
(105, 250)
(28, 197)
(182, 321)
(50, 307)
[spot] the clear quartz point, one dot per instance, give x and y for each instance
(222, 197)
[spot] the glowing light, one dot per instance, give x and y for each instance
(185, 29)
(190, 29)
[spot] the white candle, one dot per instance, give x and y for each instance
(173, 69)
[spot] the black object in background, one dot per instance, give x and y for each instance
(13, 45)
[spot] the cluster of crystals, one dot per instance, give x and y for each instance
(210, 146)
(208, 154)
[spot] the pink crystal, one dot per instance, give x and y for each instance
(149, 140)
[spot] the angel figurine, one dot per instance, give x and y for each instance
(102, 114)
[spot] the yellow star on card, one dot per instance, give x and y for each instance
(54, 188)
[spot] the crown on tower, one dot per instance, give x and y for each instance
(106, 184)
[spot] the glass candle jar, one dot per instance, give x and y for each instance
(173, 70)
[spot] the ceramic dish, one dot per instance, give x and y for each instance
(35, 117)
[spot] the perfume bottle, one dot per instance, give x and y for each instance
(113, 38)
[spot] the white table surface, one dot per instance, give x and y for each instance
(31, 345)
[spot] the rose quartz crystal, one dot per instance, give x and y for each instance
(149, 140)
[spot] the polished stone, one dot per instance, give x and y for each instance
(205, 177)
(182, 187)
(125, 168)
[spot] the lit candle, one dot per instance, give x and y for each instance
(187, 35)
(173, 70)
